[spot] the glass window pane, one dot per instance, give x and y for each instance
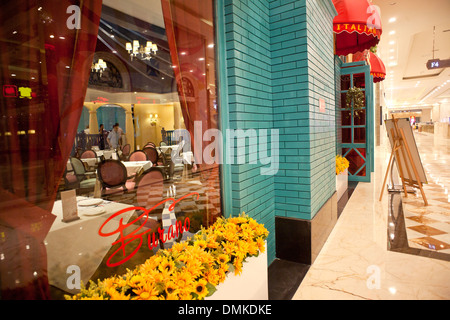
(345, 82)
(359, 135)
(359, 118)
(359, 80)
(106, 125)
(346, 135)
(346, 118)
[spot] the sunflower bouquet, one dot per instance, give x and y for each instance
(189, 270)
(341, 164)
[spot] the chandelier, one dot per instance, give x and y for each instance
(136, 50)
(99, 66)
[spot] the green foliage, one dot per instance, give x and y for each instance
(355, 100)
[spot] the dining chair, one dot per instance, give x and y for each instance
(113, 177)
(70, 180)
(149, 192)
(150, 144)
(125, 152)
(86, 179)
(138, 155)
(88, 154)
(152, 154)
(162, 144)
(150, 188)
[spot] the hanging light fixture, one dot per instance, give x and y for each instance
(136, 50)
(99, 66)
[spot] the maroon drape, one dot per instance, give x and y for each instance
(190, 30)
(190, 33)
(45, 67)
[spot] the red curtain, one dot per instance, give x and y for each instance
(45, 59)
(190, 34)
(191, 37)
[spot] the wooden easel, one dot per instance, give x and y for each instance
(401, 148)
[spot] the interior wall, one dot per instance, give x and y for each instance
(146, 130)
(444, 114)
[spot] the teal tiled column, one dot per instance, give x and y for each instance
(276, 64)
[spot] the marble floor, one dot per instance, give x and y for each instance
(373, 254)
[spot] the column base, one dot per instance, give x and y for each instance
(300, 240)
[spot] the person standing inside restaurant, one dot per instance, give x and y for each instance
(101, 132)
(114, 137)
(122, 140)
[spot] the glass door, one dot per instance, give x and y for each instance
(357, 124)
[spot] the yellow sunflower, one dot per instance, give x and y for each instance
(200, 289)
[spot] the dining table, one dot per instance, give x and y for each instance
(133, 167)
(108, 154)
(91, 162)
(78, 243)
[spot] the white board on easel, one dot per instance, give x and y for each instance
(411, 141)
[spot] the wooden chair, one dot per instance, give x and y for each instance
(113, 177)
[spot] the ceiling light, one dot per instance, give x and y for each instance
(52, 36)
(183, 53)
(392, 32)
(393, 19)
(211, 45)
(391, 42)
(201, 59)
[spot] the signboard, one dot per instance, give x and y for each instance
(408, 171)
(322, 105)
(438, 64)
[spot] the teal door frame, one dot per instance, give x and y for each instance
(361, 68)
(222, 84)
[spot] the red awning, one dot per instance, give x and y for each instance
(357, 26)
(377, 68)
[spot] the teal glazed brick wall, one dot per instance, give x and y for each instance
(249, 90)
(279, 63)
(303, 72)
(322, 125)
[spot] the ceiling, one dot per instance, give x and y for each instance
(405, 47)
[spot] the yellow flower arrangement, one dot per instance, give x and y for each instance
(189, 270)
(341, 164)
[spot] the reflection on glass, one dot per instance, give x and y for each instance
(359, 80)
(359, 135)
(360, 118)
(346, 118)
(345, 82)
(106, 110)
(356, 160)
(346, 135)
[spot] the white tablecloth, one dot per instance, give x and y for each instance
(78, 243)
(164, 148)
(106, 153)
(90, 161)
(134, 166)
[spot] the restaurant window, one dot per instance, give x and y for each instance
(104, 108)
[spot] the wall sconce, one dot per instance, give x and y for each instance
(153, 118)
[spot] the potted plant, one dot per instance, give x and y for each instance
(342, 165)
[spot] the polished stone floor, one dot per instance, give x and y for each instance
(390, 249)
